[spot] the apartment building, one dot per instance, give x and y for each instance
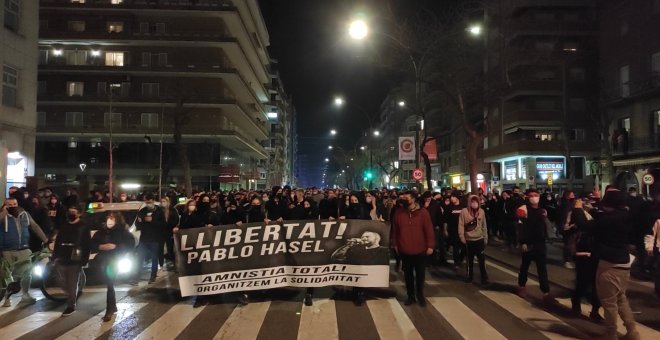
(18, 100)
(542, 96)
(630, 71)
(135, 74)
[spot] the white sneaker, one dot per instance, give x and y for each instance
(569, 265)
(27, 298)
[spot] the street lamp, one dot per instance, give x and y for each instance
(475, 30)
(330, 147)
(402, 103)
(327, 160)
(363, 147)
(339, 101)
(333, 132)
(376, 133)
(358, 29)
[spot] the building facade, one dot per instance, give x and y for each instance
(630, 73)
(18, 100)
(151, 78)
(542, 93)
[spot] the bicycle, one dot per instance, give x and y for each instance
(43, 268)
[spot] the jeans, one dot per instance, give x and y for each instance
(509, 227)
(476, 248)
(19, 260)
(537, 253)
(70, 274)
(168, 244)
(585, 281)
(109, 276)
(414, 270)
(148, 250)
(458, 249)
(611, 283)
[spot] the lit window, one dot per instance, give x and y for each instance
(116, 2)
(74, 88)
(76, 26)
(73, 119)
(115, 26)
(112, 119)
(544, 135)
(114, 58)
(12, 14)
(77, 1)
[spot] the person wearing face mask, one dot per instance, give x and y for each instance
(568, 228)
(171, 221)
(234, 214)
(152, 228)
(210, 216)
(473, 233)
(329, 206)
(56, 212)
(40, 215)
(354, 210)
(71, 253)
(15, 227)
(434, 209)
(190, 218)
(414, 240)
(532, 236)
(111, 242)
(452, 214)
(255, 212)
(374, 207)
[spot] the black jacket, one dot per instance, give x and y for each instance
(153, 231)
(72, 245)
(194, 220)
(533, 227)
(611, 230)
(119, 236)
(329, 208)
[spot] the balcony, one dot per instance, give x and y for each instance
(538, 148)
(520, 6)
(197, 69)
(529, 117)
(640, 89)
(636, 146)
(200, 5)
(522, 28)
(534, 87)
(128, 38)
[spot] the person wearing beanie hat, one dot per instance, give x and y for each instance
(611, 228)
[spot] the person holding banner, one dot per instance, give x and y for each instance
(414, 240)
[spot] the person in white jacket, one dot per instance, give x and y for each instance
(652, 244)
(473, 233)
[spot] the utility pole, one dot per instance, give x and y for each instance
(110, 149)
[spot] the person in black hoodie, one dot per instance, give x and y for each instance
(71, 253)
(354, 210)
(151, 224)
(111, 242)
(56, 212)
(311, 212)
(255, 212)
(451, 216)
(40, 215)
(190, 217)
(329, 206)
(210, 216)
(612, 227)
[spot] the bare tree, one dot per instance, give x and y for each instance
(181, 118)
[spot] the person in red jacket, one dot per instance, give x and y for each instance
(413, 239)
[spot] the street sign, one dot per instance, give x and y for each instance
(648, 179)
(418, 174)
(550, 180)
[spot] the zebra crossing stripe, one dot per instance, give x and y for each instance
(465, 321)
(28, 324)
(244, 322)
(321, 318)
(95, 327)
(544, 322)
(392, 322)
(644, 331)
(174, 321)
(530, 282)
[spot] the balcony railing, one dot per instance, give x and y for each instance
(633, 89)
(133, 98)
(127, 34)
(635, 145)
(204, 5)
(98, 66)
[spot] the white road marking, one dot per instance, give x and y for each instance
(540, 320)
(391, 320)
(95, 327)
(244, 322)
(530, 282)
(466, 322)
(319, 319)
(28, 324)
(644, 331)
(173, 322)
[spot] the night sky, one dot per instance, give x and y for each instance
(317, 61)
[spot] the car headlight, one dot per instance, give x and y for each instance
(38, 270)
(124, 265)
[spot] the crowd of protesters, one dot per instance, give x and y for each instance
(598, 231)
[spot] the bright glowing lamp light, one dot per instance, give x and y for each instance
(96, 53)
(14, 155)
(38, 271)
(57, 52)
(124, 265)
(402, 103)
(475, 30)
(130, 186)
(376, 133)
(339, 101)
(333, 132)
(358, 29)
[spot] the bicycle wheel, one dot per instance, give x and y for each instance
(53, 281)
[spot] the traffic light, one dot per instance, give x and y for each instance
(368, 174)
